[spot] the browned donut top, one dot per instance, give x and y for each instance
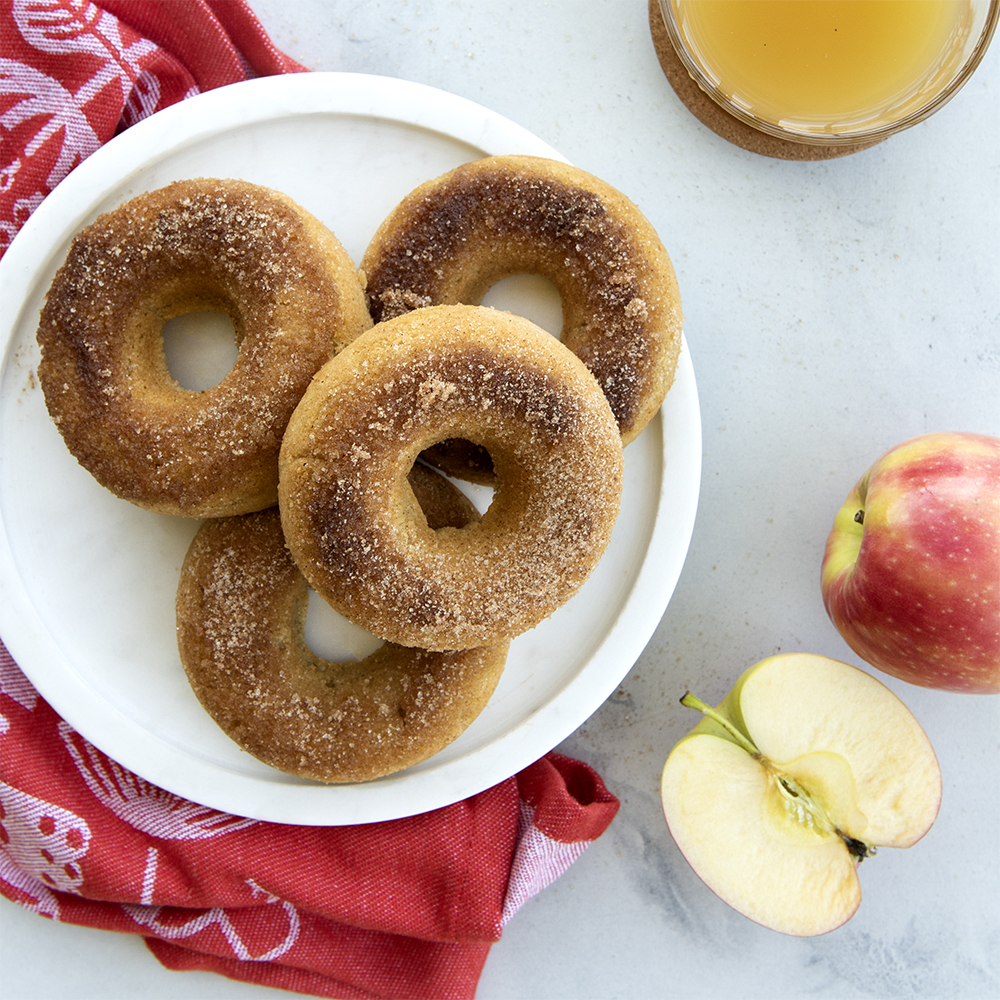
(241, 608)
(450, 371)
(212, 245)
(454, 237)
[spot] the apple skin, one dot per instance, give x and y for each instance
(911, 571)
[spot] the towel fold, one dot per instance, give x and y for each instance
(406, 908)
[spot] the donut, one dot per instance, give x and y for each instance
(294, 296)
(241, 609)
(498, 381)
(454, 237)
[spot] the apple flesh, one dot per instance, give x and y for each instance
(911, 571)
(807, 767)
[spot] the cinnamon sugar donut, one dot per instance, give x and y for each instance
(469, 372)
(453, 238)
(241, 609)
(227, 246)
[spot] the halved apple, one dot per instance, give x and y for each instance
(806, 768)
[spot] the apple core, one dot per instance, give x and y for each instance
(801, 792)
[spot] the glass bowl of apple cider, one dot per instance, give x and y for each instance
(830, 72)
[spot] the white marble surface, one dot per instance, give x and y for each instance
(832, 310)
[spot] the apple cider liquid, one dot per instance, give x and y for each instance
(821, 65)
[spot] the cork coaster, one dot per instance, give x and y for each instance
(721, 122)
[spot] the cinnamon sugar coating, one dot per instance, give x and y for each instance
(454, 237)
(241, 609)
(494, 379)
(227, 246)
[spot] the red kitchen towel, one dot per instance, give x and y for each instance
(73, 73)
(404, 909)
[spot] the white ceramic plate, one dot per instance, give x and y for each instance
(87, 581)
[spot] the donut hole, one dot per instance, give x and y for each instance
(479, 494)
(469, 466)
(330, 636)
(532, 296)
(200, 348)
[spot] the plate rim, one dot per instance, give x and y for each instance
(25, 633)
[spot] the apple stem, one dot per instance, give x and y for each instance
(692, 701)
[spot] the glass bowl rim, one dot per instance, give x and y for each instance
(843, 138)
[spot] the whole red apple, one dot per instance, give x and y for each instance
(911, 572)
